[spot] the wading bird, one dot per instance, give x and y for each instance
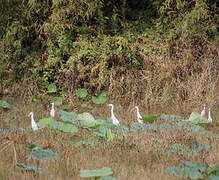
(139, 117)
(33, 122)
(203, 113)
(209, 115)
(113, 117)
(52, 111)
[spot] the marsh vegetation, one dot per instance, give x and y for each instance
(82, 55)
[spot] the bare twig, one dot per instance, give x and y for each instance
(15, 154)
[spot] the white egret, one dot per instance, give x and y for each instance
(52, 111)
(203, 113)
(113, 117)
(209, 115)
(33, 122)
(139, 117)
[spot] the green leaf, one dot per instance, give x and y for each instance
(120, 129)
(107, 134)
(41, 154)
(89, 124)
(197, 118)
(66, 108)
(35, 146)
(87, 120)
(86, 117)
(186, 172)
(68, 116)
(52, 88)
(151, 127)
(92, 124)
(91, 142)
(213, 177)
(136, 126)
(108, 178)
(214, 171)
(33, 98)
(198, 166)
(58, 101)
(4, 104)
(46, 122)
(190, 126)
(165, 127)
(105, 171)
(199, 147)
(6, 130)
(81, 93)
(150, 118)
(61, 126)
(180, 149)
(171, 117)
(64, 127)
(19, 129)
(101, 99)
(29, 168)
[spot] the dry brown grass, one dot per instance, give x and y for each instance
(187, 79)
(135, 157)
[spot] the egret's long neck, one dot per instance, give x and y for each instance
(32, 117)
(53, 106)
(112, 111)
(138, 113)
(137, 110)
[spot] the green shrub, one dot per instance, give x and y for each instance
(130, 49)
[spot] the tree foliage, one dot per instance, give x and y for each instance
(84, 43)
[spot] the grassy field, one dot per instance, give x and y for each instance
(142, 154)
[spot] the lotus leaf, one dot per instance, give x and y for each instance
(64, 127)
(86, 117)
(41, 154)
(150, 118)
(100, 99)
(108, 178)
(171, 117)
(136, 126)
(4, 104)
(81, 93)
(52, 88)
(68, 116)
(196, 118)
(30, 168)
(46, 122)
(214, 171)
(213, 177)
(186, 172)
(195, 165)
(105, 171)
(58, 101)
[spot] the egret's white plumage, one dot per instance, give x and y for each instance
(52, 111)
(113, 117)
(139, 117)
(203, 113)
(209, 115)
(33, 122)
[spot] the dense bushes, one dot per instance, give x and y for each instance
(142, 49)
